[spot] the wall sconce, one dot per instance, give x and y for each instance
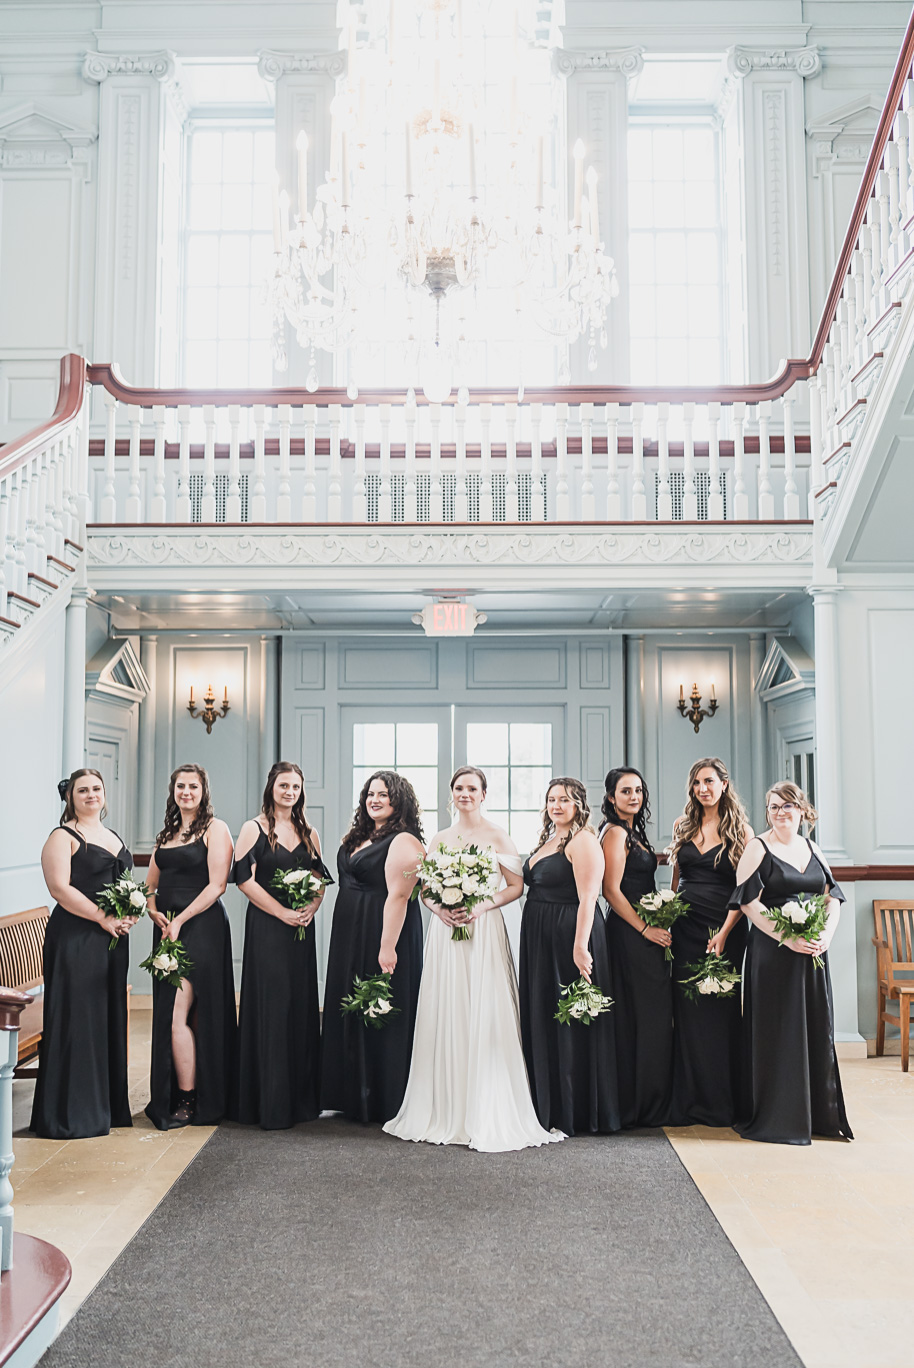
(209, 713)
(696, 714)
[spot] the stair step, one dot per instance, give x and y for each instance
(841, 450)
(55, 560)
(76, 546)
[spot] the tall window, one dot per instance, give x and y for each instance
(517, 760)
(227, 245)
(410, 748)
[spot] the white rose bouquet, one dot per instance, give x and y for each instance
(710, 977)
(299, 887)
(126, 897)
(803, 919)
(662, 909)
(582, 1002)
(169, 961)
(372, 999)
(460, 877)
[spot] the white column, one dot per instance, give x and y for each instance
(758, 750)
(74, 698)
(634, 702)
(829, 741)
(597, 113)
(147, 758)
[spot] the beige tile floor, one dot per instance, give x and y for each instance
(821, 1229)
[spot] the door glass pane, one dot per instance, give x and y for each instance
(528, 787)
(373, 744)
(487, 744)
(417, 744)
(517, 760)
(524, 829)
(409, 748)
(531, 743)
(497, 792)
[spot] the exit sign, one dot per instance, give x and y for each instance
(449, 618)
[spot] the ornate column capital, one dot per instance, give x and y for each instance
(805, 61)
(629, 61)
(98, 66)
(271, 65)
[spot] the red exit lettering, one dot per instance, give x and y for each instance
(449, 617)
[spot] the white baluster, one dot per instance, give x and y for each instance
(208, 501)
(639, 496)
(588, 501)
(859, 308)
(486, 511)
(15, 578)
(843, 354)
(538, 485)
(816, 478)
(259, 492)
(867, 236)
(410, 494)
(791, 494)
(32, 517)
(562, 502)
(436, 492)
(908, 103)
(885, 235)
(892, 171)
(309, 496)
(902, 129)
(54, 505)
(664, 488)
(715, 491)
(133, 512)
(233, 497)
(109, 501)
(4, 536)
(461, 497)
(23, 544)
(158, 508)
(740, 496)
(765, 495)
(613, 495)
(689, 492)
(71, 476)
(284, 486)
(385, 496)
(830, 432)
(359, 500)
(512, 504)
(82, 483)
(183, 503)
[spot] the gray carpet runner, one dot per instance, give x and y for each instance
(341, 1247)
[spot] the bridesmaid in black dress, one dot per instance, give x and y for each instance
(572, 1068)
(279, 1015)
(641, 971)
(375, 929)
(194, 1027)
(792, 1079)
(82, 1077)
(708, 840)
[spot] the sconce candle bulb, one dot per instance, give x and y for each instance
(209, 713)
(696, 714)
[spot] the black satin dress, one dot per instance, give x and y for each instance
(82, 1075)
(644, 1012)
(183, 874)
(572, 1069)
(707, 1036)
(364, 1071)
(793, 1086)
(279, 1025)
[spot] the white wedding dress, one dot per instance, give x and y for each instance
(467, 1079)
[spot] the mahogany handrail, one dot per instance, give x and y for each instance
(70, 396)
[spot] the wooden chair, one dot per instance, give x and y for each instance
(894, 942)
(21, 955)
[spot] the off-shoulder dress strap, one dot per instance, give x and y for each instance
(513, 863)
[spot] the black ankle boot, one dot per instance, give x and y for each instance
(187, 1105)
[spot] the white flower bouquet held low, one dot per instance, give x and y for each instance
(711, 977)
(458, 876)
(169, 961)
(299, 887)
(372, 999)
(802, 919)
(662, 909)
(126, 897)
(581, 1002)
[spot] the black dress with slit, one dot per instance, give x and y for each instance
(707, 1035)
(82, 1059)
(572, 1068)
(364, 1072)
(644, 997)
(183, 874)
(279, 1025)
(793, 1086)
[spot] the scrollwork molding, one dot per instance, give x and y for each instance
(98, 66)
(743, 61)
(272, 65)
(629, 61)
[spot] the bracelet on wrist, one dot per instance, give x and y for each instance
(644, 928)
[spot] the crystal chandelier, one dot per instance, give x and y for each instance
(448, 241)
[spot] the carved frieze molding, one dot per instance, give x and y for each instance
(743, 61)
(629, 61)
(272, 65)
(32, 139)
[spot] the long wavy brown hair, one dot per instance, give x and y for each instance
(296, 816)
(204, 816)
(581, 820)
(405, 815)
(65, 789)
(732, 818)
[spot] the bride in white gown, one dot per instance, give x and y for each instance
(467, 1080)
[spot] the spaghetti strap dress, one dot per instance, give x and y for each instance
(793, 1086)
(183, 874)
(707, 1034)
(572, 1068)
(278, 1074)
(82, 1059)
(644, 1005)
(364, 1071)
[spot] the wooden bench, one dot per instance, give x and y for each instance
(894, 942)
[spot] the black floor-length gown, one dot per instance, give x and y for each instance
(364, 1071)
(82, 1074)
(572, 1068)
(279, 1015)
(183, 874)
(644, 1005)
(793, 1087)
(707, 1034)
